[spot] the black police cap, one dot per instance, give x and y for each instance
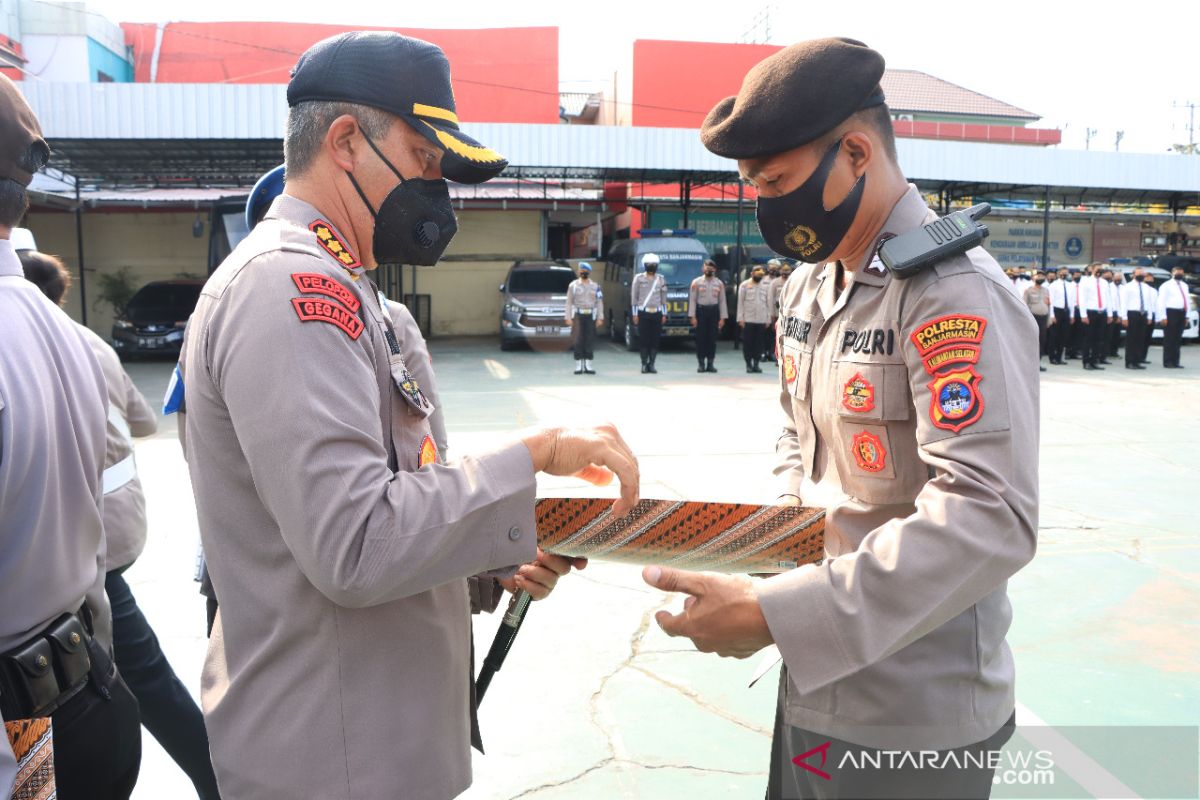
(400, 75)
(794, 97)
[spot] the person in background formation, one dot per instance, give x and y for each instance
(709, 310)
(753, 316)
(649, 299)
(1037, 299)
(1077, 342)
(1136, 312)
(1021, 281)
(1095, 301)
(71, 724)
(1172, 315)
(773, 282)
(1117, 283)
(1152, 321)
(1062, 296)
(585, 315)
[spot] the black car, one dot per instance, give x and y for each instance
(152, 322)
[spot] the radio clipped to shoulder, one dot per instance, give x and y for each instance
(909, 253)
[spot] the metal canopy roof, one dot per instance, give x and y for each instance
(218, 135)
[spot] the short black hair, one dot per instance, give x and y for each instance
(880, 118)
(46, 272)
(14, 200)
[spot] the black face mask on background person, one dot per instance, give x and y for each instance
(1076, 279)
(1039, 281)
(1139, 278)
(709, 273)
(651, 269)
(756, 278)
(415, 222)
(797, 224)
(1178, 276)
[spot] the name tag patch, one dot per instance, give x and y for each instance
(309, 309)
(315, 283)
(795, 328)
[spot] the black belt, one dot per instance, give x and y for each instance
(48, 669)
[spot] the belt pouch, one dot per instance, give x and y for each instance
(30, 670)
(71, 661)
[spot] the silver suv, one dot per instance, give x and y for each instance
(534, 304)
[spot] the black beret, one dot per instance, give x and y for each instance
(793, 97)
(401, 75)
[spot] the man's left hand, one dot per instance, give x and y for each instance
(540, 577)
(721, 614)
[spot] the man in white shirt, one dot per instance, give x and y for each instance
(1095, 305)
(1062, 305)
(1152, 320)
(1172, 315)
(1114, 317)
(1136, 310)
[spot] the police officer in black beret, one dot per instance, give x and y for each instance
(910, 416)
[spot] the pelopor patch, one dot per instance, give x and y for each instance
(315, 283)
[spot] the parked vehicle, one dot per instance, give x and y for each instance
(681, 258)
(152, 321)
(534, 304)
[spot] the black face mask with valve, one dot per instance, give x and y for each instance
(415, 222)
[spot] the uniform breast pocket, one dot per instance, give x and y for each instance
(794, 366)
(873, 411)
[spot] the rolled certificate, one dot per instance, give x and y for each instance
(719, 537)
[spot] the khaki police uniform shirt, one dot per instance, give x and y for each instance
(648, 292)
(339, 665)
(129, 415)
(53, 407)
(776, 292)
(707, 291)
(584, 297)
(754, 302)
(1037, 298)
(911, 414)
(420, 363)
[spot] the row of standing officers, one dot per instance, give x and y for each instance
(708, 309)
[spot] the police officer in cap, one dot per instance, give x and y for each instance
(649, 298)
(709, 310)
(57, 679)
(911, 411)
(584, 313)
(338, 544)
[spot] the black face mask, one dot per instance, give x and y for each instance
(1076, 279)
(1039, 281)
(798, 226)
(415, 222)
(651, 269)
(1139, 278)
(1177, 277)
(708, 273)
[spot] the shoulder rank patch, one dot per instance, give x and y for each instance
(315, 283)
(868, 452)
(789, 369)
(955, 401)
(947, 330)
(428, 454)
(309, 309)
(954, 354)
(333, 245)
(858, 394)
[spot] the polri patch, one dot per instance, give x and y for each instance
(955, 400)
(954, 354)
(950, 329)
(428, 454)
(315, 283)
(310, 309)
(868, 451)
(333, 245)
(858, 395)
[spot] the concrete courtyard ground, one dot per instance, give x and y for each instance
(594, 701)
